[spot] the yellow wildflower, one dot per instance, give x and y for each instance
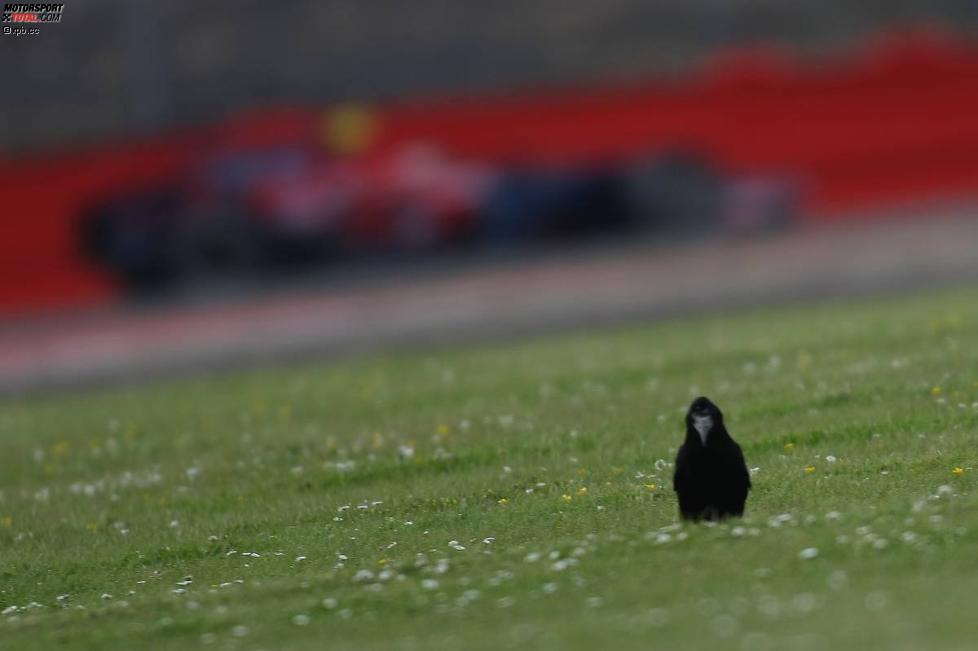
(809, 470)
(958, 471)
(566, 497)
(788, 447)
(504, 501)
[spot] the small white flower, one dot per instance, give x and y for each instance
(301, 620)
(106, 595)
(532, 557)
(724, 625)
(429, 584)
(831, 459)
(838, 580)
(362, 576)
(769, 605)
(804, 602)
(876, 600)
(657, 616)
(239, 631)
(330, 603)
(808, 553)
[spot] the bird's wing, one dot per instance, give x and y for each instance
(679, 474)
(741, 464)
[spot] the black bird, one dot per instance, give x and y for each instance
(711, 477)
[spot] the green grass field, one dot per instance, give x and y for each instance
(514, 496)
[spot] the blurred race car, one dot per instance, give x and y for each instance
(254, 211)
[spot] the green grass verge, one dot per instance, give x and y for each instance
(514, 496)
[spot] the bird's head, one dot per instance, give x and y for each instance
(702, 417)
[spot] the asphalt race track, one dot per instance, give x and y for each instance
(491, 301)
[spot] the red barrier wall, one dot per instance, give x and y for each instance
(41, 265)
(896, 122)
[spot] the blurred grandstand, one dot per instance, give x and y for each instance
(115, 68)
